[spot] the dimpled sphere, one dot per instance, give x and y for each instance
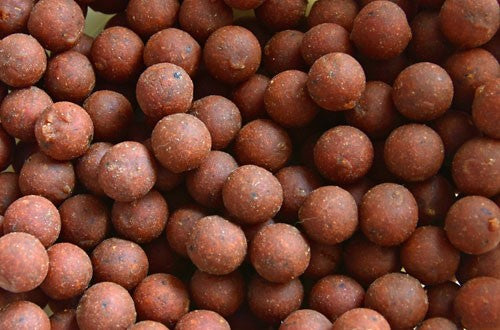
(216, 246)
(343, 154)
(164, 89)
(181, 142)
(381, 31)
(252, 194)
(336, 82)
(105, 305)
(279, 253)
(232, 54)
(23, 262)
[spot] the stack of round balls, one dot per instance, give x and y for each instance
(250, 164)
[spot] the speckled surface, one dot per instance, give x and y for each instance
(485, 108)
(323, 39)
(202, 319)
(280, 15)
(179, 226)
(362, 318)
(86, 167)
(147, 17)
(24, 315)
(249, 97)
(282, 52)
(338, 12)
(306, 319)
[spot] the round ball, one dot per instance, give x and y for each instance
(105, 305)
(323, 39)
(279, 253)
(252, 194)
(336, 82)
(202, 319)
(23, 262)
(181, 142)
(147, 18)
(414, 152)
(343, 154)
(216, 246)
(232, 54)
(484, 108)
(24, 315)
(306, 319)
(86, 167)
(361, 317)
(64, 131)
(164, 89)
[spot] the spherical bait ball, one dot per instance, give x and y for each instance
(70, 272)
(56, 32)
(437, 323)
(423, 91)
(441, 298)
(364, 318)
(244, 4)
(164, 89)
(200, 18)
(23, 262)
(69, 77)
(105, 306)
(280, 15)
(306, 319)
(297, 183)
(119, 261)
(470, 69)
(64, 320)
(232, 54)
(141, 220)
(148, 325)
(263, 143)
(287, 101)
(111, 114)
(216, 246)
(380, 31)
(86, 167)
(454, 128)
(24, 315)
(34, 215)
(64, 131)
(374, 113)
(127, 171)
(336, 294)
(478, 21)
(173, 46)
(179, 226)
(414, 152)
(117, 54)
(147, 18)
(15, 14)
(323, 39)
(181, 142)
(343, 154)
(205, 183)
(473, 225)
(336, 82)
(252, 194)
(366, 261)
(202, 319)
(222, 294)
(329, 215)
(22, 60)
(44, 176)
(84, 45)
(162, 298)
(434, 197)
(273, 302)
(485, 108)
(85, 220)
(341, 12)
(428, 42)
(388, 214)
(476, 169)
(221, 117)
(20, 109)
(10, 190)
(485, 264)
(279, 253)
(477, 301)
(249, 97)
(400, 298)
(429, 256)
(282, 52)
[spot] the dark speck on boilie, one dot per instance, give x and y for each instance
(177, 75)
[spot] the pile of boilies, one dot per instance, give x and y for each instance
(192, 170)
